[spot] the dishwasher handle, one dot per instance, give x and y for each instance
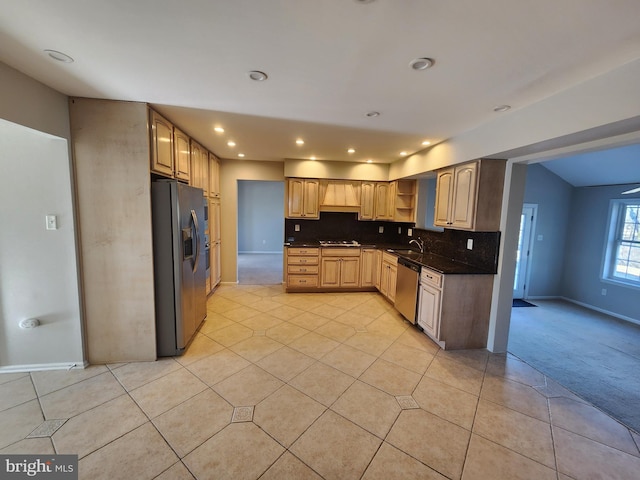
(409, 264)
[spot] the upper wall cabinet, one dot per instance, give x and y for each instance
(182, 155)
(214, 176)
(302, 198)
(390, 201)
(469, 196)
(161, 144)
(404, 204)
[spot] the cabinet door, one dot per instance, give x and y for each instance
(311, 193)
(383, 210)
(464, 196)
(330, 272)
(393, 277)
(378, 268)
(214, 176)
(196, 165)
(367, 200)
(444, 194)
(350, 272)
(182, 155)
(161, 145)
(295, 197)
(429, 311)
(204, 172)
(215, 264)
(368, 268)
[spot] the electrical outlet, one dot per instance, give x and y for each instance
(380, 229)
(604, 291)
(469, 243)
(399, 229)
(540, 237)
(296, 227)
(410, 232)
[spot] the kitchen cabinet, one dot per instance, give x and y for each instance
(388, 276)
(339, 267)
(214, 176)
(368, 267)
(214, 241)
(469, 196)
(196, 164)
(378, 268)
(302, 198)
(454, 309)
(204, 172)
(301, 267)
(404, 201)
(182, 155)
(375, 201)
(162, 160)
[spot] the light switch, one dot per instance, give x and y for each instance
(380, 229)
(469, 243)
(52, 222)
(296, 227)
(410, 232)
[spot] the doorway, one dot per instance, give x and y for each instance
(260, 232)
(523, 254)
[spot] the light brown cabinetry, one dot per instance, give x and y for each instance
(454, 309)
(214, 241)
(339, 267)
(182, 155)
(388, 201)
(369, 269)
(214, 176)
(199, 167)
(302, 198)
(378, 268)
(302, 267)
(339, 195)
(469, 196)
(162, 161)
(388, 276)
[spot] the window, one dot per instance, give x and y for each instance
(622, 264)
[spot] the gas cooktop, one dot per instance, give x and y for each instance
(339, 243)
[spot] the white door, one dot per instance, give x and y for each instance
(523, 255)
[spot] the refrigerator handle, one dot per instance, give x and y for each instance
(194, 217)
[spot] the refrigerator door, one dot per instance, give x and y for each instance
(178, 246)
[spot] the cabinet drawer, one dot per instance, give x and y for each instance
(431, 277)
(302, 260)
(389, 258)
(308, 269)
(302, 251)
(340, 252)
(302, 280)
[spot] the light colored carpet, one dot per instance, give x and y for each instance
(260, 268)
(593, 355)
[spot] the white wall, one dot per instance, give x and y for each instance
(38, 270)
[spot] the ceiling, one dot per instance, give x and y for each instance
(328, 63)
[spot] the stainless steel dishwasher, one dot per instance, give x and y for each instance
(407, 289)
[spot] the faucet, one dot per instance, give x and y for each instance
(419, 242)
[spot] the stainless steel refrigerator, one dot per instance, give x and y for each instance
(179, 263)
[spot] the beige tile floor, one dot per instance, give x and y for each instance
(310, 386)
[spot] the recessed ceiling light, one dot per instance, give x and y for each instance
(501, 108)
(369, 161)
(422, 63)
(231, 143)
(364, 1)
(241, 155)
(313, 158)
(258, 76)
(219, 129)
(372, 114)
(351, 150)
(426, 142)
(300, 141)
(59, 56)
(403, 154)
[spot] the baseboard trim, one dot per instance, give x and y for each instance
(42, 366)
(279, 252)
(602, 310)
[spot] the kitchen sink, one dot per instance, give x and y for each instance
(412, 254)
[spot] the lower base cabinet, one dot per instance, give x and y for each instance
(388, 276)
(454, 309)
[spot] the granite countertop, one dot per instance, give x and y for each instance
(440, 264)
